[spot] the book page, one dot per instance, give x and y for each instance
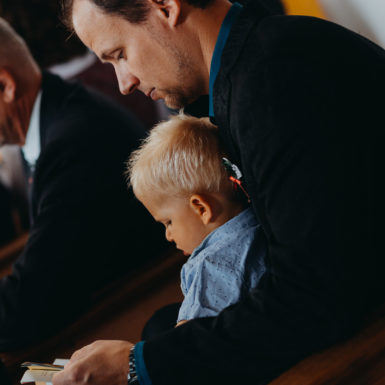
(38, 375)
(41, 376)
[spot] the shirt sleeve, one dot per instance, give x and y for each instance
(211, 285)
(141, 370)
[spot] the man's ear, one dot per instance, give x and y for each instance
(170, 9)
(201, 207)
(7, 86)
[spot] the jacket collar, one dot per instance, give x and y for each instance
(251, 14)
(54, 93)
(220, 44)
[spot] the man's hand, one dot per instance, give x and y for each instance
(101, 363)
(183, 321)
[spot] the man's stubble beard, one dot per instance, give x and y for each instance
(185, 93)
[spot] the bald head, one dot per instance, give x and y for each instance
(14, 54)
(20, 81)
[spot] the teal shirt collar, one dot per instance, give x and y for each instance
(219, 46)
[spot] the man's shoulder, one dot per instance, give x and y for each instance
(65, 99)
(258, 33)
(71, 112)
(301, 34)
(275, 47)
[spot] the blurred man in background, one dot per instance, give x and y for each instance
(85, 227)
(37, 22)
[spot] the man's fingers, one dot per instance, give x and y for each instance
(60, 379)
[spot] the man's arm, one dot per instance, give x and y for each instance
(82, 210)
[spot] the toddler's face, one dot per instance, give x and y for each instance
(183, 225)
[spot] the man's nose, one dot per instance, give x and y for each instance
(127, 83)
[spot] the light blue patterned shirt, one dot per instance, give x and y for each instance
(223, 268)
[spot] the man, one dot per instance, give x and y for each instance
(298, 105)
(86, 227)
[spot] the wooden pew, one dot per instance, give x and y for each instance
(358, 361)
(120, 311)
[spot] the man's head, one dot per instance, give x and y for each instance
(134, 11)
(161, 47)
(178, 175)
(20, 80)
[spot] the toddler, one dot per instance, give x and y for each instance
(179, 175)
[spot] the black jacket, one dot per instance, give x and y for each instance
(87, 228)
(6, 226)
(299, 105)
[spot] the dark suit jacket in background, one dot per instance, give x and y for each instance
(7, 231)
(300, 107)
(87, 228)
(101, 77)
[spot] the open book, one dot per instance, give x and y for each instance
(41, 374)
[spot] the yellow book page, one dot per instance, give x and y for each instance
(41, 366)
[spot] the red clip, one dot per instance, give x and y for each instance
(239, 183)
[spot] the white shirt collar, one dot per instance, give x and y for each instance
(31, 148)
(74, 66)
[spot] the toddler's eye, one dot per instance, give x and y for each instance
(168, 223)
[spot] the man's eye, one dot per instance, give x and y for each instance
(168, 223)
(120, 55)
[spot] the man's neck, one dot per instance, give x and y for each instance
(206, 24)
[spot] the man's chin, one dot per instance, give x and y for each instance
(175, 102)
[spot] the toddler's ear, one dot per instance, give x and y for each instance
(201, 207)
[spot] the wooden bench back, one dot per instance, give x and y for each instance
(358, 361)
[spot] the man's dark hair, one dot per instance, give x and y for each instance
(134, 11)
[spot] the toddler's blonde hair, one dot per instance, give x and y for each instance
(180, 157)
